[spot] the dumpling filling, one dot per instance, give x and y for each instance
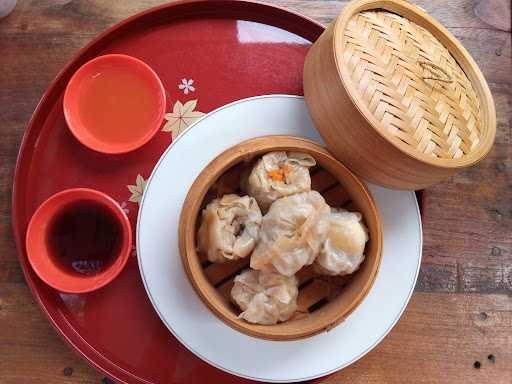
(265, 297)
(292, 233)
(229, 228)
(279, 174)
(343, 251)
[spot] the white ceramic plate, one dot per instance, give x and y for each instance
(189, 319)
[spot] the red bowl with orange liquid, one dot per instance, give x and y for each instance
(78, 240)
(114, 104)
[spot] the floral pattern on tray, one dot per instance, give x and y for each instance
(181, 117)
(137, 189)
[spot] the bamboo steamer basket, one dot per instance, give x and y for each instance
(323, 301)
(396, 97)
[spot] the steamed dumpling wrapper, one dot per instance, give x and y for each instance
(279, 174)
(343, 251)
(229, 228)
(292, 233)
(265, 297)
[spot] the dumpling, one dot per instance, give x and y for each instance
(292, 233)
(279, 174)
(343, 250)
(229, 228)
(265, 297)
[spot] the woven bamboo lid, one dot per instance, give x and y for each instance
(411, 83)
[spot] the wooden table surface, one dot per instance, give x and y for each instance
(461, 310)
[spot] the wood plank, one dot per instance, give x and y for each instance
(438, 339)
(467, 222)
(217, 272)
(225, 289)
(336, 196)
(322, 180)
(440, 336)
(312, 294)
(467, 228)
(305, 274)
(75, 16)
(30, 350)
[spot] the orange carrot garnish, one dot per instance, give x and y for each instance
(276, 175)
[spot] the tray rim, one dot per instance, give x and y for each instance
(47, 101)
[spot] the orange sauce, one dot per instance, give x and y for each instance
(117, 105)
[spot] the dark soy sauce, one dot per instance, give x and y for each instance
(85, 238)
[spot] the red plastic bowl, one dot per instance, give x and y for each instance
(40, 254)
(81, 81)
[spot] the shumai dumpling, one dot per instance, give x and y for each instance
(292, 233)
(265, 297)
(229, 228)
(279, 174)
(343, 250)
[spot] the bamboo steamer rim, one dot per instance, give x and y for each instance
(341, 306)
(459, 53)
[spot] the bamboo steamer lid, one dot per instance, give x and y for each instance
(396, 97)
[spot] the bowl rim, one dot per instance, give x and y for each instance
(191, 210)
(79, 130)
(37, 250)
(456, 49)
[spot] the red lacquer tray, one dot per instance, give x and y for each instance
(207, 53)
